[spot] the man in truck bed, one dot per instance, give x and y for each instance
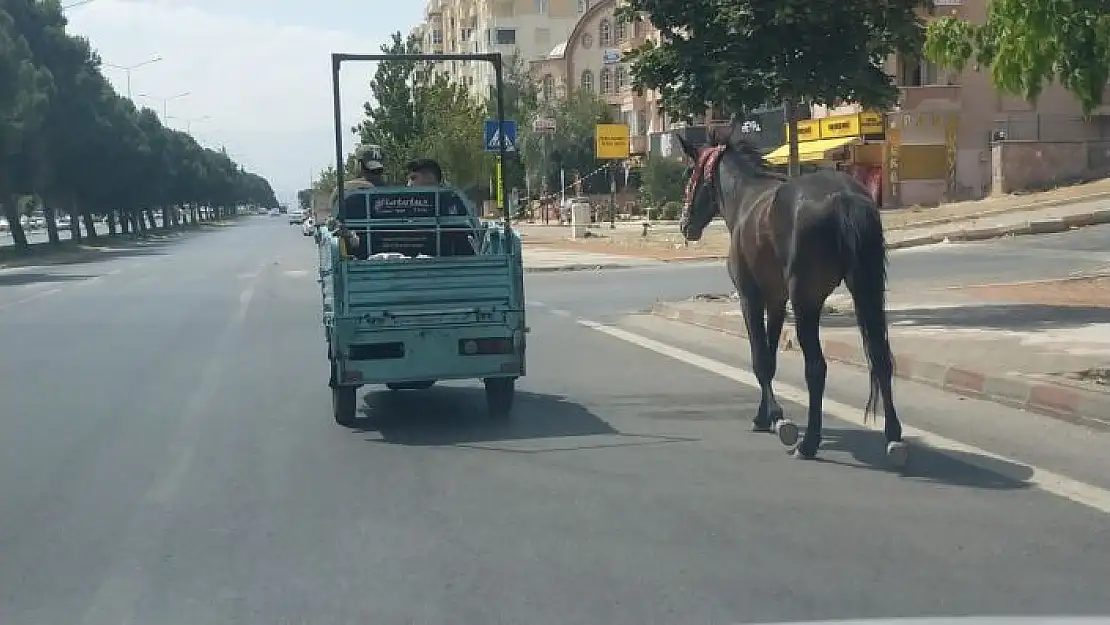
(371, 174)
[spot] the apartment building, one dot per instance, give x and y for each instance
(590, 58)
(526, 29)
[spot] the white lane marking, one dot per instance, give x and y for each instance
(88, 281)
(560, 312)
(115, 272)
(537, 304)
(29, 298)
(1054, 483)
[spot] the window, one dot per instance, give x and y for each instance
(605, 33)
(606, 81)
(641, 123)
(583, 6)
(622, 30)
(541, 7)
(437, 37)
(914, 72)
(543, 37)
(622, 77)
(587, 81)
(548, 87)
(504, 36)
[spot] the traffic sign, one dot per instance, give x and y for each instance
(493, 139)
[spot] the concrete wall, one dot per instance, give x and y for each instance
(1031, 165)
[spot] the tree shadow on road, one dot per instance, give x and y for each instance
(452, 415)
(104, 247)
(1012, 317)
(35, 277)
(954, 468)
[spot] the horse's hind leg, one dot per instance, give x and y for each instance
(807, 324)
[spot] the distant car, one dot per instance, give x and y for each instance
(308, 226)
(274, 212)
(296, 216)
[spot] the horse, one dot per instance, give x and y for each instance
(796, 240)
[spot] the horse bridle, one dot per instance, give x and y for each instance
(703, 168)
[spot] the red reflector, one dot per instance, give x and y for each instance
(485, 347)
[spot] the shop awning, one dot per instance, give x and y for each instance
(809, 151)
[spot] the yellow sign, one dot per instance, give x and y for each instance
(854, 125)
(611, 141)
(839, 127)
(808, 130)
(500, 185)
(871, 123)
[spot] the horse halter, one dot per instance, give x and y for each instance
(703, 168)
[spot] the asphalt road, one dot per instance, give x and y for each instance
(167, 457)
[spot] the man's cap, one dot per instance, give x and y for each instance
(371, 156)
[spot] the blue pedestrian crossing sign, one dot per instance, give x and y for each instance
(493, 137)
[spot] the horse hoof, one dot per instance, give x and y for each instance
(760, 427)
(787, 432)
(798, 454)
(897, 453)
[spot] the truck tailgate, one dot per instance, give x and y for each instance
(432, 291)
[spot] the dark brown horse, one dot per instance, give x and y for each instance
(796, 240)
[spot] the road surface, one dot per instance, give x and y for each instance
(167, 456)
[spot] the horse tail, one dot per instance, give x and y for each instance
(863, 245)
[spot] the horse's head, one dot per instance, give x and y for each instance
(701, 203)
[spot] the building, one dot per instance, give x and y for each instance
(526, 29)
(952, 136)
(590, 58)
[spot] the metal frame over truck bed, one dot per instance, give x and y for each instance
(448, 304)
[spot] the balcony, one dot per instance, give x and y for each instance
(614, 97)
(638, 144)
(912, 98)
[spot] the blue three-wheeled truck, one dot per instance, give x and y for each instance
(435, 294)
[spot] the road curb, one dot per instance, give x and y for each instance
(580, 267)
(1058, 401)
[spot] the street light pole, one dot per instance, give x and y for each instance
(165, 101)
(189, 121)
(128, 68)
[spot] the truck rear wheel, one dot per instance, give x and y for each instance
(500, 393)
(344, 401)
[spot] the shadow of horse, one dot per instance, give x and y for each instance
(948, 467)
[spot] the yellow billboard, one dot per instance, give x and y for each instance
(611, 141)
(808, 130)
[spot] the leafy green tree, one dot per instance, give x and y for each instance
(304, 199)
(780, 51)
(1027, 44)
(662, 180)
(416, 113)
(23, 104)
(68, 141)
(572, 147)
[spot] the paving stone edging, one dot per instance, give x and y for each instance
(1054, 400)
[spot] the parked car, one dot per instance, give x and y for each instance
(296, 216)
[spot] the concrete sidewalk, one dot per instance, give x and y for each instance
(1023, 355)
(664, 242)
(540, 258)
